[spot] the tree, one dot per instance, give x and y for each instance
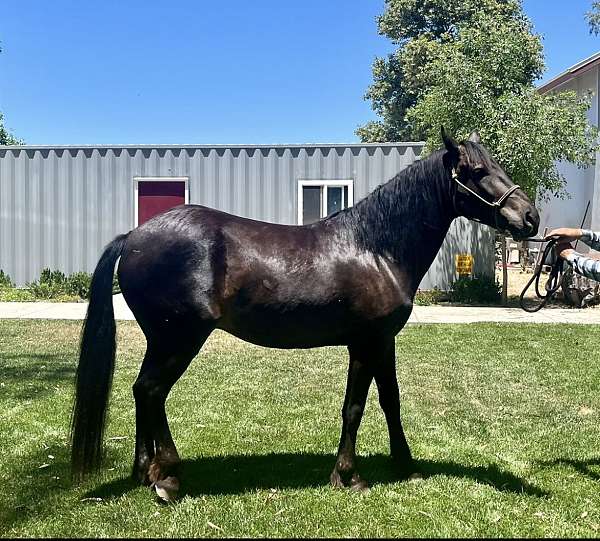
(415, 26)
(593, 18)
(471, 65)
(5, 137)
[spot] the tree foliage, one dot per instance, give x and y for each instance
(7, 138)
(593, 18)
(471, 65)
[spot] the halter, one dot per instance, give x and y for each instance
(496, 204)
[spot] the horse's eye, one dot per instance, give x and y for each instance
(479, 172)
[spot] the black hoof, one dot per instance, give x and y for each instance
(358, 484)
(167, 489)
(336, 480)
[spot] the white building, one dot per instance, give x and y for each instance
(583, 185)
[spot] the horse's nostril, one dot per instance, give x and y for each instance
(528, 218)
(531, 220)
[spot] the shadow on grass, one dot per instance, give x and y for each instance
(33, 376)
(242, 473)
(584, 467)
(33, 493)
(29, 487)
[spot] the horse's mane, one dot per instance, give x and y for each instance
(389, 214)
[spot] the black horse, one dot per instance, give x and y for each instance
(348, 279)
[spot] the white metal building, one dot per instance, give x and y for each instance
(583, 185)
(59, 205)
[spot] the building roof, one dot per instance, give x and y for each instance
(573, 71)
(162, 146)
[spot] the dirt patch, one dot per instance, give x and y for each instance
(517, 280)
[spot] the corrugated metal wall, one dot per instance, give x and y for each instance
(59, 206)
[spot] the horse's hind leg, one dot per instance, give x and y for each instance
(389, 400)
(144, 442)
(166, 360)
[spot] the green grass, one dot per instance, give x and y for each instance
(503, 419)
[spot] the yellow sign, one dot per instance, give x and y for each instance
(464, 263)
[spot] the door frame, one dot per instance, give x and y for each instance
(137, 180)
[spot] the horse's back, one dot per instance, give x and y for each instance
(270, 284)
(191, 260)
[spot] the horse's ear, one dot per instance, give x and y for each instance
(449, 142)
(474, 138)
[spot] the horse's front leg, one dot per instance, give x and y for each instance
(389, 400)
(360, 376)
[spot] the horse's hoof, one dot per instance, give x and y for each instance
(359, 485)
(167, 489)
(336, 480)
(414, 477)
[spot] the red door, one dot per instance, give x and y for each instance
(155, 197)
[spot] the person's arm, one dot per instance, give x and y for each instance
(586, 266)
(569, 234)
(591, 238)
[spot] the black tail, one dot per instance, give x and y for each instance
(96, 366)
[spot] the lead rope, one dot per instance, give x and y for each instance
(556, 273)
(554, 280)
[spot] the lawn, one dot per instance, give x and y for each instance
(503, 420)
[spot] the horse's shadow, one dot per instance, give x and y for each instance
(588, 468)
(242, 473)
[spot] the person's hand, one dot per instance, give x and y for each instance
(563, 249)
(564, 234)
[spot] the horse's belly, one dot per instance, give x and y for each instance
(290, 327)
(308, 326)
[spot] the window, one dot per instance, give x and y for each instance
(320, 198)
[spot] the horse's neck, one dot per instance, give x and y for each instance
(427, 243)
(411, 232)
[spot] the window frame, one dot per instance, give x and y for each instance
(342, 183)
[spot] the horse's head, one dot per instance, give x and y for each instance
(483, 192)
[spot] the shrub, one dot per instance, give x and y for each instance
(51, 284)
(116, 288)
(475, 290)
(57, 286)
(79, 284)
(5, 281)
(425, 297)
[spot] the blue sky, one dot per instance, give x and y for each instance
(269, 71)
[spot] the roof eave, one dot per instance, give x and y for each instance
(191, 146)
(574, 71)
